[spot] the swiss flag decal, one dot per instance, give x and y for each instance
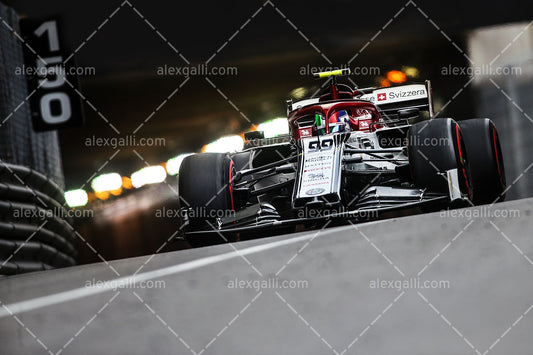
(382, 97)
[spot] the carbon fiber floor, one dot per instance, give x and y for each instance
(428, 284)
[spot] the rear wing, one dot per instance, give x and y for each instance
(391, 100)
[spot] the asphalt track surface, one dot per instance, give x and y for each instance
(346, 295)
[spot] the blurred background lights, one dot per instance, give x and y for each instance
(226, 144)
(274, 128)
(396, 76)
(107, 182)
(76, 198)
(298, 93)
(173, 165)
(149, 175)
(126, 183)
(411, 72)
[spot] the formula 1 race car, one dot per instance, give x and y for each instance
(351, 155)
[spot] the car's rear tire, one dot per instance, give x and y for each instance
(205, 188)
(486, 160)
(434, 147)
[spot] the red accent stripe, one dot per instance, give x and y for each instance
(461, 157)
(230, 186)
(458, 142)
(497, 157)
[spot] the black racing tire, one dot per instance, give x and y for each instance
(434, 147)
(205, 187)
(486, 160)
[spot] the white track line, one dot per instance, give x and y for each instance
(8, 310)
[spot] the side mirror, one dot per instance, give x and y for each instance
(408, 113)
(248, 136)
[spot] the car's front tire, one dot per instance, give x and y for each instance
(486, 160)
(205, 189)
(434, 147)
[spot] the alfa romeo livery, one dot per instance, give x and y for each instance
(351, 155)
